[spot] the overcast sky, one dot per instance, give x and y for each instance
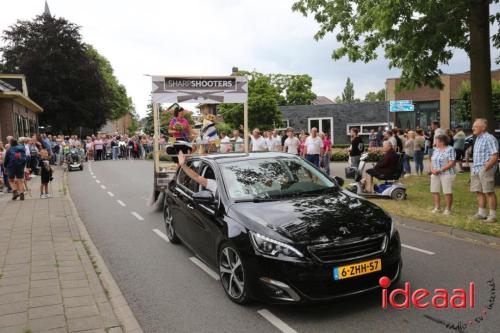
(209, 37)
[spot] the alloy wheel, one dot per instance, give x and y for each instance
(232, 274)
(169, 225)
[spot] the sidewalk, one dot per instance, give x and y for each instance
(48, 279)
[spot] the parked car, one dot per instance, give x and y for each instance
(278, 229)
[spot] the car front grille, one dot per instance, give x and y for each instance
(348, 249)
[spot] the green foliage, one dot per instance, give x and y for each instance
(463, 112)
(70, 80)
(416, 35)
(342, 155)
(339, 155)
(134, 125)
(378, 96)
(163, 157)
(148, 122)
(263, 111)
(348, 93)
(116, 97)
(224, 127)
(292, 89)
(341, 145)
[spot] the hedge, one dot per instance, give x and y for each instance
(342, 155)
(163, 158)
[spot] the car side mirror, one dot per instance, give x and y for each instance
(204, 197)
(339, 180)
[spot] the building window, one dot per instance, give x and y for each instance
(427, 112)
(285, 123)
(364, 128)
(324, 125)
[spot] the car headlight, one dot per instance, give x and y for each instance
(271, 247)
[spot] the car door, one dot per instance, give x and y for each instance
(203, 223)
(182, 202)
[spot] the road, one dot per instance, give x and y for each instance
(168, 292)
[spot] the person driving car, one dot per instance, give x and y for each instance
(209, 184)
(384, 168)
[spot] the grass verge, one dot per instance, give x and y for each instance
(419, 204)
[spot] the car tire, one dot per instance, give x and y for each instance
(232, 274)
(170, 226)
(398, 194)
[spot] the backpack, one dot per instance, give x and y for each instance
(18, 155)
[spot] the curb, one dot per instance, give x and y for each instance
(120, 306)
(447, 231)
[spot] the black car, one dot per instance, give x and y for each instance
(279, 229)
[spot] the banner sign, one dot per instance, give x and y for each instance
(401, 106)
(209, 90)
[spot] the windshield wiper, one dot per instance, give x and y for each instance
(257, 199)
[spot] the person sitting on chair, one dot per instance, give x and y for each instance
(384, 168)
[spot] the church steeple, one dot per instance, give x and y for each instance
(47, 10)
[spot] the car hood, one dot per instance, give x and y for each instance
(315, 219)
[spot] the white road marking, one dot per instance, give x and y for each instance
(162, 235)
(97, 181)
(103, 187)
(121, 203)
(205, 268)
(137, 216)
(111, 194)
(417, 249)
(94, 177)
(278, 323)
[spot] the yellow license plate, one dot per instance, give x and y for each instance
(360, 268)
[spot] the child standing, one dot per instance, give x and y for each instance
(46, 178)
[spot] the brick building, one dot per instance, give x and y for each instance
(336, 119)
(120, 125)
(18, 113)
(430, 103)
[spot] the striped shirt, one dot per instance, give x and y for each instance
(440, 159)
(485, 146)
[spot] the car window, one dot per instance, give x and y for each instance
(185, 181)
(208, 173)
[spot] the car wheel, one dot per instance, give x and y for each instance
(398, 194)
(232, 274)
(169, 226)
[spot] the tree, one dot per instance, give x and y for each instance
(116, 98)
(348, 93)
(417, 37)
(263, 111)
(299, 90)
(292, 89)
(70, 80)
(463, 106)
(378, 96)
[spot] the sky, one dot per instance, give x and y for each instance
(196, 37)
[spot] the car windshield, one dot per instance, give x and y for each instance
(273, 178)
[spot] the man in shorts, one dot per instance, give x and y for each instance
(485, 159)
